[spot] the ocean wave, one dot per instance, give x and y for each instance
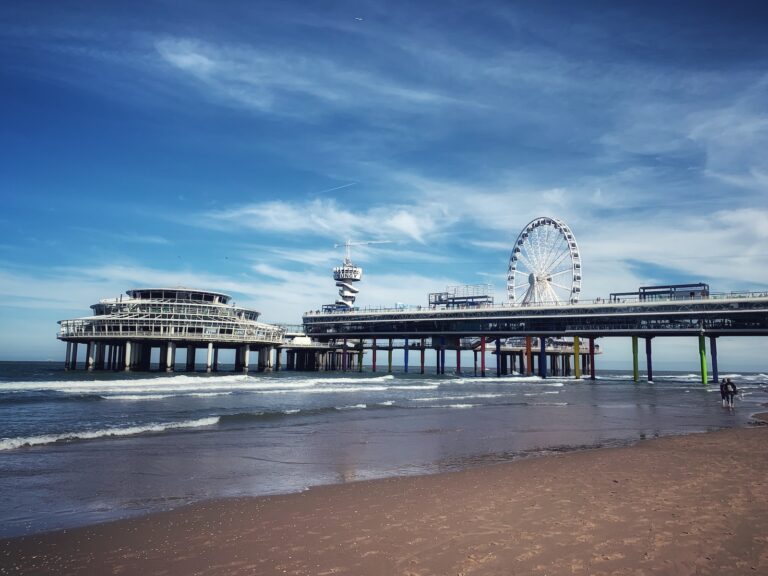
(162, 396)
(460, 406)
(418, 387)
(23, 442)
(19, 397)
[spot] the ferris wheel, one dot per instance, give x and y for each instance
(545, 265)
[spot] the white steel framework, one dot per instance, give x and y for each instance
(545, 265)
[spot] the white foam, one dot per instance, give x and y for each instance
(13, 443)
(423, 387)
(354, 407)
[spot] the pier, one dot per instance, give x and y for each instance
(123, 332)
(700, 317)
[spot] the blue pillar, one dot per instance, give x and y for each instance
(543, 357)
(498, 357)
(713, 354)
(442, 354)
(648, 358)
(405, 355)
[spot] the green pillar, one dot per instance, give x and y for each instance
(703, 359)
(635, 369)
(576, 358)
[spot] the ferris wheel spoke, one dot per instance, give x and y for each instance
(556, 255)
(561, 257)
(561, 272)
(525, 262)
(551, 246)
(560, 286)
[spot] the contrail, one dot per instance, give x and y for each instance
(337, 187)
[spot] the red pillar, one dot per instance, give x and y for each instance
(528, 356)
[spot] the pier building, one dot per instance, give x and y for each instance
(122, 332)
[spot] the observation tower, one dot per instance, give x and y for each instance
(345, 275)
(122, 332)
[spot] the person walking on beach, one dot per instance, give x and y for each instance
(730, 387)
(724, 392)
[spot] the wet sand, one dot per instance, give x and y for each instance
(694, 504)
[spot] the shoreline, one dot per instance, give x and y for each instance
(672, 505)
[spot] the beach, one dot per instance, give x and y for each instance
(693, 504)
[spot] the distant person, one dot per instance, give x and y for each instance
(724, 392)
(730, 387)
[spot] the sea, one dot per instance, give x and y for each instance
(79, 447)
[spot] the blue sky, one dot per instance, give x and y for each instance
(230, 145)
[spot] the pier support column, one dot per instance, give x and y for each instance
(592, 358)
(649, 358)
(422, 355)
(170, 360)
(344, 357)
(100, 352)
(703, 359)
(474, 353)
(576, 358)
(405, 355)
(482, 356)
(209, 359)
(278, 359)
(635, 370)
(68, 357)
(713, 354)
(128, 351)
(90, 351)
(215, 359)
(190, 358)
(389, 357)
(458, 357)
(442, 354)
(73, 358)
(246, 357)
(360, 356)
(528, 356)
(373, 355)
(498, 357)
(542, 356)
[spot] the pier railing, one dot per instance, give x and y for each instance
(87, 329)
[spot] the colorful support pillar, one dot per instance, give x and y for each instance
(442, 354)
(405, 356)
(389, 357)
(542, 357)
(482, 356)
(576, 358)
(649, 358)
(635, 370)
(528, 356)
(498, 357)
(713, 354)
(592, 358)
(703, 358)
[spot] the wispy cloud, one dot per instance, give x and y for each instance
(266, 81)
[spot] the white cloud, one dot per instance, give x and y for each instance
(269, 81)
